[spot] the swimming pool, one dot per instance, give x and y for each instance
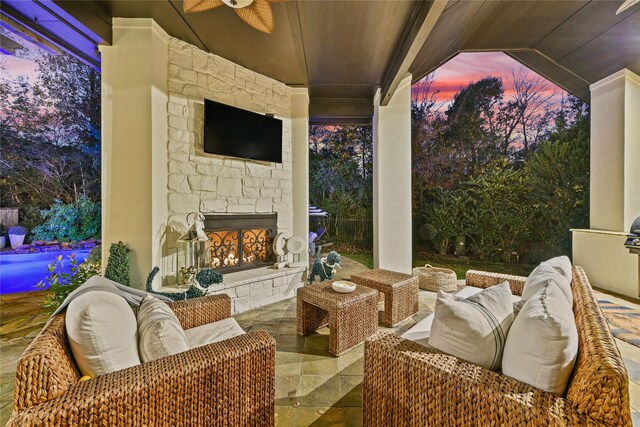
(22, 272)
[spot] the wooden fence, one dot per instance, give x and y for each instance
(9, 217)
(352, 232)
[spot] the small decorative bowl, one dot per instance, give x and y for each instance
(343, 286)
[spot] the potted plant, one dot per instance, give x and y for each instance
(16, 235)
(3, 237)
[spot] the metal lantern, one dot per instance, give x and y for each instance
(194, 239)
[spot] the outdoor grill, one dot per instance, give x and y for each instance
(633, 238)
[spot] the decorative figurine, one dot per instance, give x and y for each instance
(193, 291)
(325, 267)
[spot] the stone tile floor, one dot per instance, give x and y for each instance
(313, 388)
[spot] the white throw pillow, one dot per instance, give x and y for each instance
(475, 328)
(543, 274)
(420, 331)
(562, 264)
(102, 333)
(542, 344)
(160, 333)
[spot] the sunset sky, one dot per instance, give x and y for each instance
(473, 66)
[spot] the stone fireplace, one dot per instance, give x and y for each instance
(156, 140)
(240, 242)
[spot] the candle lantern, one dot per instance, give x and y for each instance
(197, 250)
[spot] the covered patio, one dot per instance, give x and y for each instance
(328, 62)
(332, 63)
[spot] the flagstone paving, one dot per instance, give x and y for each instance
(313, 388)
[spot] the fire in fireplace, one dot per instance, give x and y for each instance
(240, 242)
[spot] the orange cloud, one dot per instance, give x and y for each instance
(470, 67)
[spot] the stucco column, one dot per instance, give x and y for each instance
(300, 163)
(392, 245)
(134, 142)
(615, 185)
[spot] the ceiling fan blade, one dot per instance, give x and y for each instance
(259, 15)
(626, 5)
(192, 6)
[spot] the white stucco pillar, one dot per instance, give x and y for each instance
(392, 245)
(615, 185)
(134, 140)
(300, 163)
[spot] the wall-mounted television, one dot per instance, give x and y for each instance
(231, 131)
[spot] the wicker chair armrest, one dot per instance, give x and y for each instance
(228, 383)
(203, 310)
(484, 279)
(406, 383)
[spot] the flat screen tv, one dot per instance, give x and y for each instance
(231, 131)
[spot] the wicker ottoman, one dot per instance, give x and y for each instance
(351, 317)
(400, 292)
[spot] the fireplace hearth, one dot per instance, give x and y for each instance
(240, 242)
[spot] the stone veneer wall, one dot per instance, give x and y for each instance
(209, 183)
(262, 286)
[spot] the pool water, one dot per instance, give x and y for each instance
(22, 272)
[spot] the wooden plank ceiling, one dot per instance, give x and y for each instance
(344, 50)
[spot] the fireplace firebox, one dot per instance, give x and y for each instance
(240, 242)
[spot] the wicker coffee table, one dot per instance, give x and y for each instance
(400, 292)
(351, 317)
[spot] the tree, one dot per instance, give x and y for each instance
(559, 176)
(522, 161)
(341, 170)
(500, 217)
(446, 217)
(467, 130)
(50, 135)
(532, 106)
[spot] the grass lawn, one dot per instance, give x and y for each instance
(460, 266)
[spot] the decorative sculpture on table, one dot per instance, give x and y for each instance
(325, 267)
(285, 244)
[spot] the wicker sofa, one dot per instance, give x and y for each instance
(407, 384)
(231, 382)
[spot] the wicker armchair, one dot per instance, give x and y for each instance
(407, 384)
(226, 383)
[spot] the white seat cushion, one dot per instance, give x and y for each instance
(543, 274)
(213, 332)
(102, 333)
(160, 333)
(542, 344)
(420, 331)
(474, 328)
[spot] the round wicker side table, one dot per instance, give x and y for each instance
(436, 279)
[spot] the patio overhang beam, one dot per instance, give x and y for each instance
(91, 15)
(422, 20)
(51, 41)
(341, 111)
